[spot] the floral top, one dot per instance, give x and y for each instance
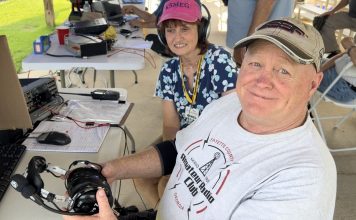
(218, 75)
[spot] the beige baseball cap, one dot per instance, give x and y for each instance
(303, 43)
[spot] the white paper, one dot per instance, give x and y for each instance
(95, 111)
(133, 43)
(82, 140)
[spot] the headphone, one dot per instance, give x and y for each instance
(203, 28)
(81, 183)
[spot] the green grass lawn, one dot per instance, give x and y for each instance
(23, 21)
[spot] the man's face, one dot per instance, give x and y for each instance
(273, 89)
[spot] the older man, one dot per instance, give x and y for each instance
(253, 154)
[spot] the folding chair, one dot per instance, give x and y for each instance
(342, 118)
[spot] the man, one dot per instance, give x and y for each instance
(245, 15)
(146, 19)
(338, 20)
(253, 154)
(344, 90)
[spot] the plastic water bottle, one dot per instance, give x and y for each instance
(86, 7)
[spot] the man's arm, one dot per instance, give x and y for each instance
(144, 164)
(342, 4)
(348, 44)
(171, 122)
(143, 23)
(350, 47)
(130, 9)
(146, 20)
(261, 14)
(331, 62)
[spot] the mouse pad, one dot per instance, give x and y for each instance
(82, 140)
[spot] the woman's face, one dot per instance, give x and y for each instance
(182, 37)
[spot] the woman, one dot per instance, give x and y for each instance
(198, 74)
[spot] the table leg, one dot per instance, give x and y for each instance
(112, 78)
(63, 78)
(94, 78)
(134, 72)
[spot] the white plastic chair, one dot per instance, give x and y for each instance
(318, 97)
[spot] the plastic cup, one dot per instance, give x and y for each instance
(62, 31)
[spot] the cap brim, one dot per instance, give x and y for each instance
(295, 53)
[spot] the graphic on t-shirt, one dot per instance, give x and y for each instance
(204, 167)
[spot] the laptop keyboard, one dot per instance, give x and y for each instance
(10, 156)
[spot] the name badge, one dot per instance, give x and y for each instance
(191, 114)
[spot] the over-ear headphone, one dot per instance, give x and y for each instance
(81, 184)
(203, 28)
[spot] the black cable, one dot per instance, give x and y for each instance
(126, 150)
(144, 204)
(55, 55)
(125, 135)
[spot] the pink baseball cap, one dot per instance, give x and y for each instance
(185, 10)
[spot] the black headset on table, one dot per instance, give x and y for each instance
(203, 31)
(81, 184)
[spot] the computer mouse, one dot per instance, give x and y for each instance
(53, 137)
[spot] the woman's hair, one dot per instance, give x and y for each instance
(202, 41)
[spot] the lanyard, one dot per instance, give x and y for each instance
(196, 84)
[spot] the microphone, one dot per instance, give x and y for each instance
(20, 184)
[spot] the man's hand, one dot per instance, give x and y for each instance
(105, 211)
(109, 171)
(129, 9)
(136, 23)
(326, 13)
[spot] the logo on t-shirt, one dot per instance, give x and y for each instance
(204, 168)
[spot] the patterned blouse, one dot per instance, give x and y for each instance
(218, 75)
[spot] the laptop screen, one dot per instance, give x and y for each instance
(13, 112)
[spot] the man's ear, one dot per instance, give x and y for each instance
(316, 82)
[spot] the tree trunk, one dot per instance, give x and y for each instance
(49, 12)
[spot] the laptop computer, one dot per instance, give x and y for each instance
(13, 112)
(113, 12)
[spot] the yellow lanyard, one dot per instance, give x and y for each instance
(196, 84)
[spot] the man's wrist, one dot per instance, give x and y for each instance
(349, 50)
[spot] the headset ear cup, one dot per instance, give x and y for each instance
(36, 166)
(204, 29)
(162, 37)
(82, 184)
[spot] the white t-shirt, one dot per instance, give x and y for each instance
(225, 172)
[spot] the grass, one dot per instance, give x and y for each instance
(23, 21)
